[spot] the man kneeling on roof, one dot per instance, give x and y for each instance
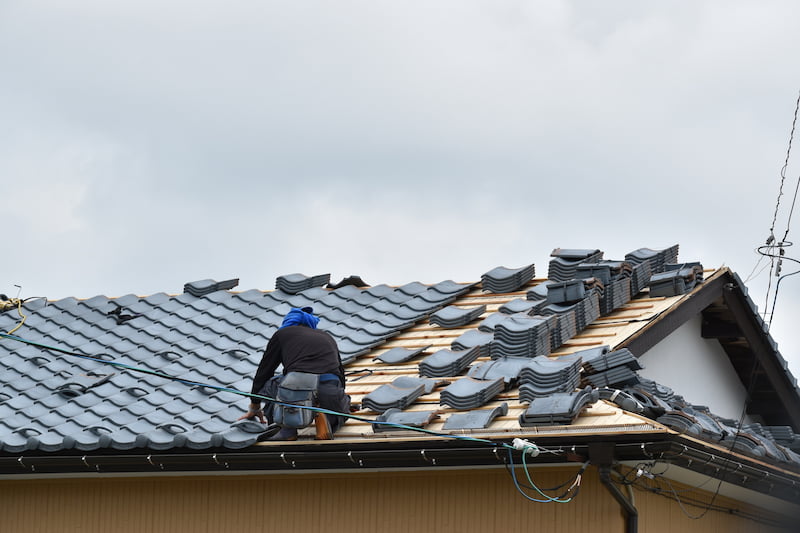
(301, 347)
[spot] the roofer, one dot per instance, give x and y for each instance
(301, 347)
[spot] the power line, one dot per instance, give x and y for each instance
(771, 246)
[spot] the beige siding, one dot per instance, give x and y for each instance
(438, 501)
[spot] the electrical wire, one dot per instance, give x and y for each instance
(771, 241)
(765, 251)
(675, 495)
(570, 481)
(783, 170)
(566, 497)
(753, 274)
(775, 296)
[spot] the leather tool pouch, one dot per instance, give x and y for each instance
(296, 389)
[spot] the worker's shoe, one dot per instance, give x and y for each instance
(323, 427)
(283, 434)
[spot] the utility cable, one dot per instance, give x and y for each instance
(673, 494)
(783, 172)
(782, 244)
(566, 497)
(775, 296)
(765, 251)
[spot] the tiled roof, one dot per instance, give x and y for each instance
(450, 357)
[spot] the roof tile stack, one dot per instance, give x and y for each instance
(445, 362)
(557, 409)
(521, 335)
(474, 339)
(676, 279)
(574, 290)
(501, 279)
(615, 294)
(565, 262)
(543, 376)
(398, 394)
(469, 393)
(612, 369)
(655, 258)
(488, 324)
(640, 277)
(606, 271)
(507, 368)
(586, 310)
(207, 286)
(295, 283)
(539, 292)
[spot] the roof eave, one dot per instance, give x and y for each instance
(672, 448)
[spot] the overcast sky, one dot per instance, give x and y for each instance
(147, 144)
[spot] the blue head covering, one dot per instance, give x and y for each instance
(300, 317)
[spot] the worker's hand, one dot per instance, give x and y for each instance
(255, 411)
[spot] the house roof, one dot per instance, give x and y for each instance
(552, 358)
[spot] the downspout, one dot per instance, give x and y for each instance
(628, 509)
(601, 454)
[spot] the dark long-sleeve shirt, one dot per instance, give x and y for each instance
(300, 349)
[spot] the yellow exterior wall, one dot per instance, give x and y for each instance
(438, 501)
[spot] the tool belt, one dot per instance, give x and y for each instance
(296, 392)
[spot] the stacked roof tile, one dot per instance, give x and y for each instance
(295, 283)
(207, 286)
(640, 277)
(501, 279)
(561, 408)
(676, 279)
(544, 376)
(398, 394)
(508, 368)
(474, 338)
(521, 335)
(585, 311)
(566, 260)
(469, 393)
(656, 259)
(445, 363)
